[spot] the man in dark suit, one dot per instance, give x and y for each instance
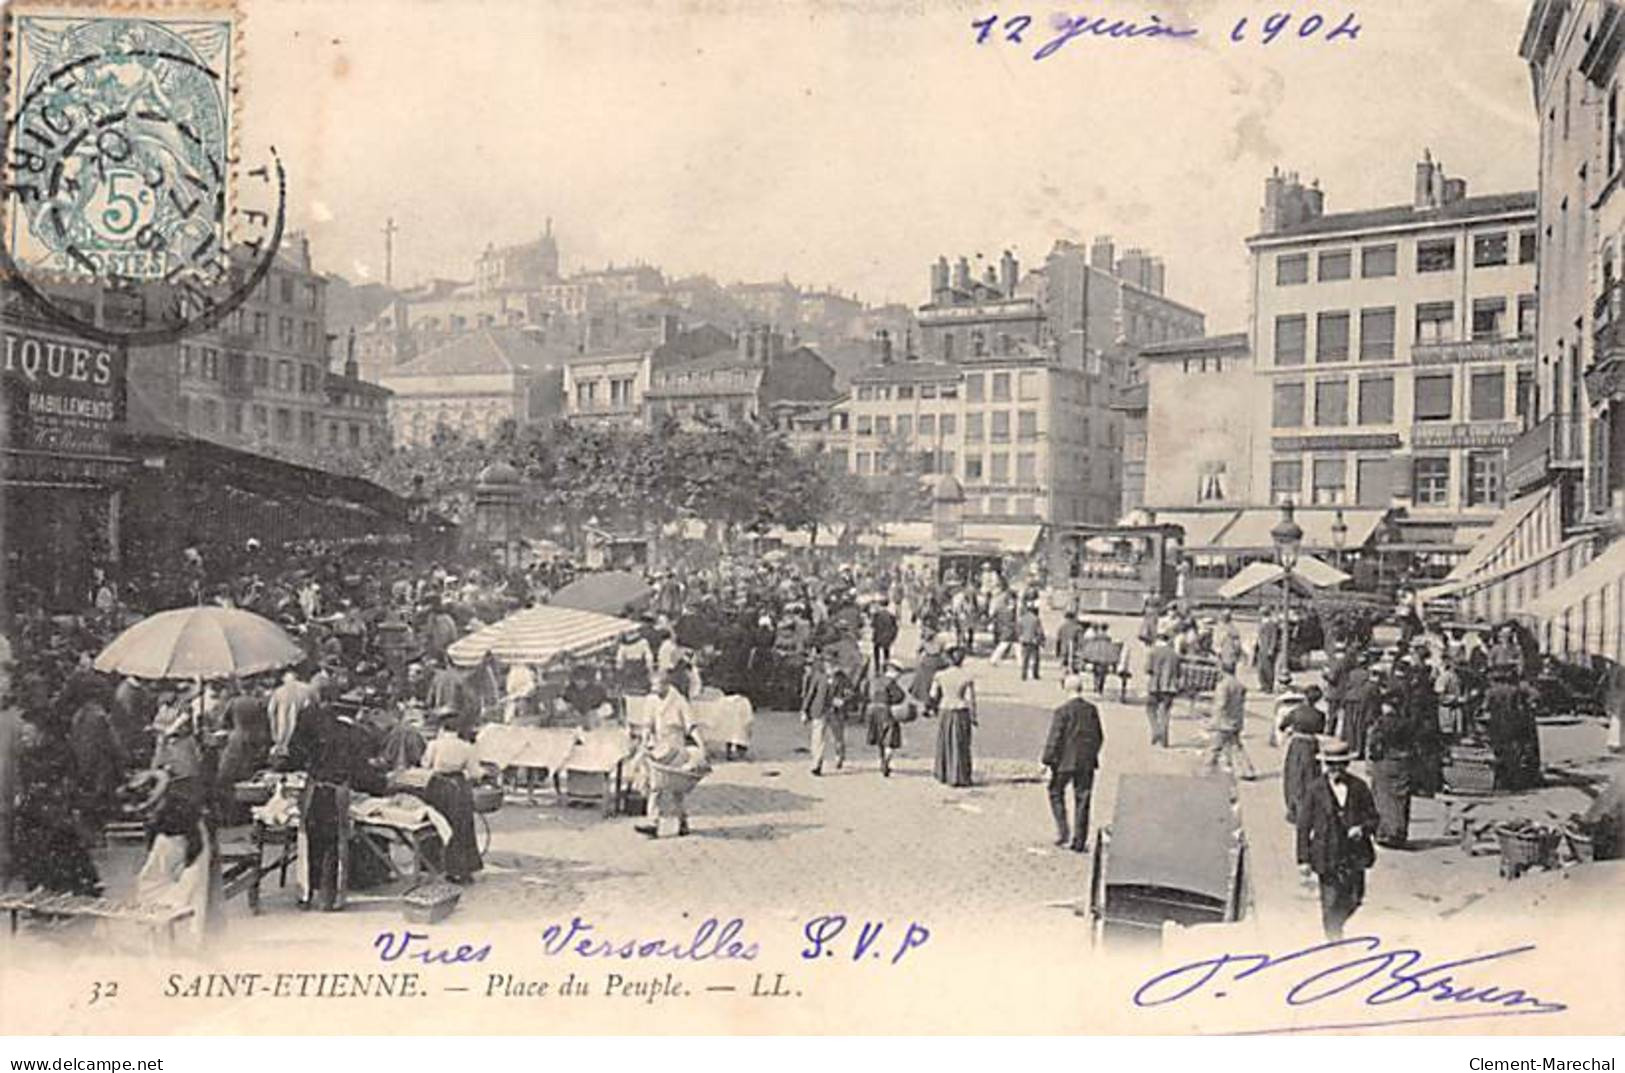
(1264, 653)
(1162, 686)
(1072, 752)
(883, 625)
(1336, 821)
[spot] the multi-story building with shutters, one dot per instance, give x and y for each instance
(1397, 349)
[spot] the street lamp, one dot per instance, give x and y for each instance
(1288, 538)
(1340, 535)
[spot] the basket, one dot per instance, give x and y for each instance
(1581, 845)
(1523, 848)
(430, 904)
(1198, 677)
(664, 779)
(487, 798)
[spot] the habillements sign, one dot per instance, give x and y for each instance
(63, 394)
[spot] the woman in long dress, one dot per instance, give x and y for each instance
(1390, 746)
(955, 691)
(454, 766)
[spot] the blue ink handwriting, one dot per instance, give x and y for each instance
(1012, 29)
(822, 930)
(393, 946)
(712, 940)
(1393, 976)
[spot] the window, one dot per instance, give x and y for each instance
(1375, 481)
(1286, 479)
(262, 325)
(1435, 322)
(284, 331)
(1484, 478)
(1433, 397)
(951, 391)
(1289, 339)
(1026, 468)
(1377, 334)
(1330, 480)
(1430, 480)
(950, 424)
(332, 433)
(1526, 394)
(1027, 425)
(973, 388)
(262, 370)
(996, 505)
(261, 421)
(1027, 387)
(1332, 337)
(866, 425)
(1000, 431)
(284, 424)
(1526, 247)
(973, 428)
(928, 425)
(947, 460)
(905, 426)
(1487, 396)
(1436, 255)
(1331, 403)
(1335, 265)
(1377, 401)
(1379, 261)
(355, 435)
(211, 414)
(905, 391)
(1490, 251)
(865, 463)
(1288, 406)
(866, 393)
(287, 290)
(1489, 318)
(1291, 269)
(883, 426)
(1001, 387)
(998, 468)
(928, 391)
(1528, 308)
(310, 296)
(973, 467)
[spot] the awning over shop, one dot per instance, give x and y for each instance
(908, 535)
(1202, 528)
(1251, 530)
(1503, 527)
(1309, 572)
(828, 537)
(1011, 538)
(1582, 614)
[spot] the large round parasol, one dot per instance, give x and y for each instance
(612, 592)
(538, 634)
(200, 642)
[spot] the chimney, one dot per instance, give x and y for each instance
(670, 328)
(1009, 274)
(1454, 190)
(883, 346)
(962, 275)
(939, 279)
(1103, 254)
(991, 277)
(1159, 276)
(351, 369)
(1424, 181)
(1314, 201)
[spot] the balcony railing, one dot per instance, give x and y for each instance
(1557, 442)
(1468, 350)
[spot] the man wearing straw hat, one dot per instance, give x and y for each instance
(1336, 822)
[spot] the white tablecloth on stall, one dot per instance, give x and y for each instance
(532, 747)
(722, 720)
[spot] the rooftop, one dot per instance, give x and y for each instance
(907, 372)
(482, 352)
(1397, 216)
(1202, 344)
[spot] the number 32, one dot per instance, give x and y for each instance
(103, 989)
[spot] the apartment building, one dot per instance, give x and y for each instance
(1398, 346)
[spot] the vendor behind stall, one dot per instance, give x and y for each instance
(333, 751)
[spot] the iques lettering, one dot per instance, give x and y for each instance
(36, 359)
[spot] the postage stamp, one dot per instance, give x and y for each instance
(119, 138)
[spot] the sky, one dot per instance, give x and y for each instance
(849, 144)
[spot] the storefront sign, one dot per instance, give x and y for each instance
(63, 395)
(1482, 434)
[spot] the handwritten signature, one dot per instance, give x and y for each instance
(712, 940)
(1013, 29)
(1392, 976)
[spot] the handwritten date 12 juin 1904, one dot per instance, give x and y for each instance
(1279, 26)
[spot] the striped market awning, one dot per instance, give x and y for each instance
(539, 635)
